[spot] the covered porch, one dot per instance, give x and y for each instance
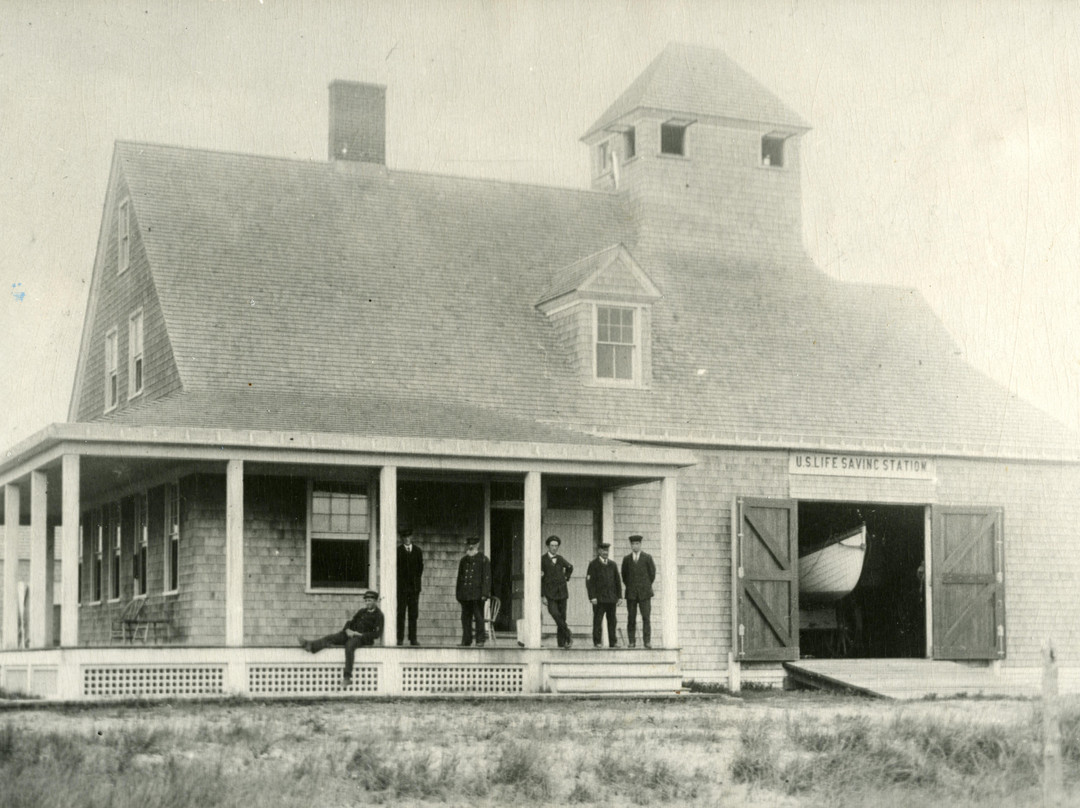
(212, 530)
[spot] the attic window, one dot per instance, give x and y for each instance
(603, 157)
(135, 354)
(772, 151)
(123, 237)
(112, 390)
(673, 138)
(615, 343)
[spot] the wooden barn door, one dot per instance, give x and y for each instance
(968, 583)
(767, 579)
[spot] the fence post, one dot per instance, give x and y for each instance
(1053, 796)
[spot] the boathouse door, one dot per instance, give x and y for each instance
(968, 577)
(767, 579)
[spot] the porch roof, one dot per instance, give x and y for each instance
(200, 443)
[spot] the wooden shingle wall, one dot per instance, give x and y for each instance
(574, 328)
(1042, 549)
(118, 296)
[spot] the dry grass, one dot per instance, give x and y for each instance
(780, 750)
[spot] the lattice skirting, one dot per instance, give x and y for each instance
(304, 679)
(153, 680)
(462, 678)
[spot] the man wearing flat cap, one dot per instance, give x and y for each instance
(410, 567)
(365, 627)
(555, 572)
(638, 574)
(605, 593)
(473, 589)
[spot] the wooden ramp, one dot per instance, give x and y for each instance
(902, 678)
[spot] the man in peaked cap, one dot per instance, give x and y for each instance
(473, 589)
(410, 568)
(363, 629)
(605, 593)
(638, 574)
(555, 572)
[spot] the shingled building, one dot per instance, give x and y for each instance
(282, 361)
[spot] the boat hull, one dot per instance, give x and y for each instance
(828, 574)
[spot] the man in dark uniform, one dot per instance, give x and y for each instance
(638, 574)
(555, 571)
(365, 627)
(473, 589)
(605, 593)
(410, 566)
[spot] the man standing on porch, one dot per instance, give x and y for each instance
(410, 567)
(605, 593)
(473, 588)
(555, 572)
(638, 574)
(365, 627)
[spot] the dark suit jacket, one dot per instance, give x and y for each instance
(473, 578)
(410, 566)
(638, 578)
(553, 576)
(602, 581)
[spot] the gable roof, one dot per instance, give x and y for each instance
(695, 80)
(612, 271)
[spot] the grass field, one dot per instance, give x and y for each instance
(780, 749)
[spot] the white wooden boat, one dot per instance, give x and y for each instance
(828, 573)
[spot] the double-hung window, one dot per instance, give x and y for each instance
(139, 552)
(98, 539)
(112, 389)
(135, 354)
(615, 344)
(123, 236)
(172, 537)
(339, 533)
(115, 531)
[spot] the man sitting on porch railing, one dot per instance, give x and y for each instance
(365, 627)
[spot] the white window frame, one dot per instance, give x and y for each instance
(123, 236)
(112, 369)
(139, 585)
(97, 584)
(116, 560)
(313, 535)
(635, 346)
(136, 363)
(172, 537)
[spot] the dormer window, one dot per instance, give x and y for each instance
(603, 157)
(772, 151)
(615, 344)
(673, 138)
(123, 237)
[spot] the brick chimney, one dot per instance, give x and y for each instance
(357, 122)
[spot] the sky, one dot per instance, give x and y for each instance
(944, 154)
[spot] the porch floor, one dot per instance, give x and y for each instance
(905, 678)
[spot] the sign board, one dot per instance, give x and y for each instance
(839, 464)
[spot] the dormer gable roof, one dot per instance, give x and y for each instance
(611, 274)
(698, 81)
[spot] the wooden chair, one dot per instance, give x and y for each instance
(491, 614)
(123, 625)
(157, 615)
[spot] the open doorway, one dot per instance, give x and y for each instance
(507, 573)
(880, 612)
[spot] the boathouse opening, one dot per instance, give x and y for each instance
(884, 614)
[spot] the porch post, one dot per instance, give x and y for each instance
(669, 560)
(234, 553)
(39, 530)
(11, 566)
(532, 552)
(607, 519)
(69, 552)
(388, 552)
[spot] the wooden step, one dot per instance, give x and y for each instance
(616, 684)
(607, 670)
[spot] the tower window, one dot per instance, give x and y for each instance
(629, 144)
(603, 157)
(672, 138)
(772, 151)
